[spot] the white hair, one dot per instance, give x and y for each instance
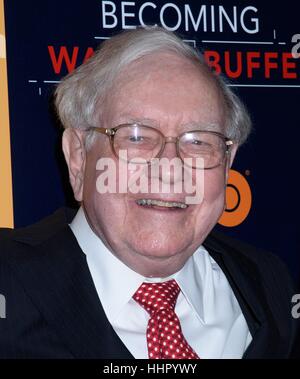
(79, 96)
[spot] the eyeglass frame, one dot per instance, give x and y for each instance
(111, 132)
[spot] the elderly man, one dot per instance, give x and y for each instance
(138, 272)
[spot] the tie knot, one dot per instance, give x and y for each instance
(157, 296)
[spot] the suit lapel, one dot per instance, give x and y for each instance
(245, 281)
(59, 283)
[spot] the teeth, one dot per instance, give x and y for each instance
(161, 203)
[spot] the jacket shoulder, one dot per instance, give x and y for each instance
(16, 241)
(40, 230)
(259, 257)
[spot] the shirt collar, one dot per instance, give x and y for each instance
(190, 280)
(116, 283)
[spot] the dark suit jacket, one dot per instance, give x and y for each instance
(53, 310)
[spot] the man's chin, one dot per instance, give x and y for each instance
(154, 263)
(153, 250)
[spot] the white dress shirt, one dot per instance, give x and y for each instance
(210, 316)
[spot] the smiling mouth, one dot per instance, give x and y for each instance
(161, 203)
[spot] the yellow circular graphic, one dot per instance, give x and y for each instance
(238, 200)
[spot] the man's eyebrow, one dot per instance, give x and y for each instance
(154, 123)
(144, 121)
(137, 120)
(201, 126)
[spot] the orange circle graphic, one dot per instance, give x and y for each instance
(238, 200)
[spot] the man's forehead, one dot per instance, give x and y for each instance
(164, 65)
(174, 78)
(142, 88)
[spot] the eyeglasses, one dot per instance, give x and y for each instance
(146, 142)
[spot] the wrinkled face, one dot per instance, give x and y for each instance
(172, 95)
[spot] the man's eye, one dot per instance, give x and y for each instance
(135, 138)
(200, 145)
(197, 142)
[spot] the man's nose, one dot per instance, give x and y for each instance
(170, 148)
(170, 166)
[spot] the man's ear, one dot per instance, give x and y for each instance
(74, 150)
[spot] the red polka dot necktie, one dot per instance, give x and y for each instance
(164, 335)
